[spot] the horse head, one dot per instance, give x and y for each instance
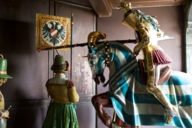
(97, 60)
(113, 55)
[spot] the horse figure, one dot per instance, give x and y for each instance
(127, 89)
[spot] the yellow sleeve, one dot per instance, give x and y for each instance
(2, 102)
(72, 93)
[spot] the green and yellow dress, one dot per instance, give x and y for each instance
(62, 109)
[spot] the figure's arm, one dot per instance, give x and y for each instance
(72, 92)
(2, 101)
(143, 31)
(3, 113)
(48, 89)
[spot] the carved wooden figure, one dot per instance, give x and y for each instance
(4, 114)
(62, 109)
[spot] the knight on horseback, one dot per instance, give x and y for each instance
(147, 33)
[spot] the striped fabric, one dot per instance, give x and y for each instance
(133, 104)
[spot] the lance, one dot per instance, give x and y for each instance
(85, 44)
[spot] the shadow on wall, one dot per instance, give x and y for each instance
(16, 37)
(24, 91)
(26, 113)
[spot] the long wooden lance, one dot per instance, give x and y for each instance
(85, 44)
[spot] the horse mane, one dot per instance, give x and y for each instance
(129, 56)
(121, 45)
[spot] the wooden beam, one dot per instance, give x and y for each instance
(104, 7)
(148, 3)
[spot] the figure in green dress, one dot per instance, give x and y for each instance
(4, 114)
(62, 109)
(148, 31)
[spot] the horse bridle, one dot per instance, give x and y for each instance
(108, 57)
(107, 53)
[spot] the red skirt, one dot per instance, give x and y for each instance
(159, 57)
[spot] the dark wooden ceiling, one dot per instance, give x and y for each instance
(80, 2)
(104, 7)
(136, 2)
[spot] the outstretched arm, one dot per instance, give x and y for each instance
(143, 32)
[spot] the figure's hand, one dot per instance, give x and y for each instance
(136, 50)
(4, 114)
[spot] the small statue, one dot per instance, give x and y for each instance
(147, 32)
(4, 114)
(62, 109)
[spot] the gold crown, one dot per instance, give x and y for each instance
(125, 6)
(94, 37)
